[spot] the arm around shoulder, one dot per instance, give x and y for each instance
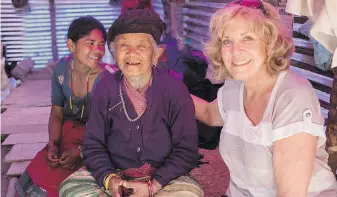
(206, 112)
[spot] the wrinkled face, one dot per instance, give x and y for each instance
(243, 51)
(89, 49)
(134, 53)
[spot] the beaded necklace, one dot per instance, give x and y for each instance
(124, 107)
(72, 92)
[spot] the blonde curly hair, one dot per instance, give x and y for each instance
(269, 27)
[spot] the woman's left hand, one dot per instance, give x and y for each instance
(140, 189)
(70, 159)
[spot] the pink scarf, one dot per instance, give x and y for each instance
(138, 98)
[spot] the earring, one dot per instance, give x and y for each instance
(154, 64)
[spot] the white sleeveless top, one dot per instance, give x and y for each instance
(248, 150)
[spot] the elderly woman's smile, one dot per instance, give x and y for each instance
(135, 53)
(132, 63)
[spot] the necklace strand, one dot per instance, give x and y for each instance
(71, 84)
(124, 108)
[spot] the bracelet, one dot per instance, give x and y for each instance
(107, 179)
(149, 185)
(80, 149)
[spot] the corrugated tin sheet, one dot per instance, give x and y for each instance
(66, 11)
(196, 17)
(32, 34)
(158, 7)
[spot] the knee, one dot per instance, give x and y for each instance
(182, 186)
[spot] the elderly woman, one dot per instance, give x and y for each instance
(273, 139)
(73, 80)
(141, 138)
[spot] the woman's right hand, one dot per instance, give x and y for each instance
(115, 186)
(53, 156)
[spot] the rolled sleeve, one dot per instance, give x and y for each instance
(298, 111)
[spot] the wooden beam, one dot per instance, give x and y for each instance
(26, 138)
(23, 152)
(303, 58)
(30, 93)
(17, 168)
(32, 128)
(321, 79)
(303, 43)
(24, 120)
(27, 111)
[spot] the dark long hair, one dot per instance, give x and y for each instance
(82, 26)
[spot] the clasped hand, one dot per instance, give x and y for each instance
(69, 159)
(140, 189)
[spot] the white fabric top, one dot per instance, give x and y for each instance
(248, 150)
(323, 13)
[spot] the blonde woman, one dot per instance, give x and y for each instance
(273, 138)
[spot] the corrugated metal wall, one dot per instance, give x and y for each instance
(26, 35)
(41, 33)
(66, 11)
(158, 7)
(196, 17)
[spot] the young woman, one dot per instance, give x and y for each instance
(73, 80)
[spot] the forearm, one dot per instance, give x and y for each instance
(201, 110)
(55, 128)
(292, 181)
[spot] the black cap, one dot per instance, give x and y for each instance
(137, 21)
